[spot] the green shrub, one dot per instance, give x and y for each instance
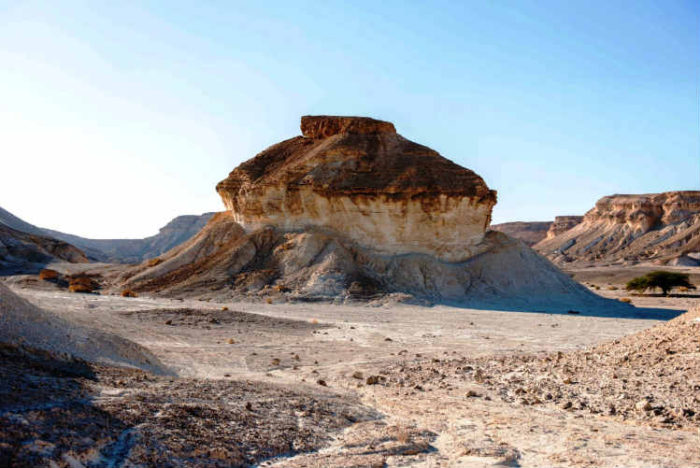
(664, 280)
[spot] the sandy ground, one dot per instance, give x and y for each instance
(338, 347)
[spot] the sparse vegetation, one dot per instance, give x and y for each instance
(82, 283)
(47, 274)
(79, 288)
(664, 280)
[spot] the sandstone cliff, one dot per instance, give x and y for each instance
(359, 177)
(631, 229)
(353, 211)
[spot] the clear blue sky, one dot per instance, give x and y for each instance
(117, 116)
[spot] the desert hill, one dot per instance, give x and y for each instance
(172, 234)
(22, 252)
(530, 232)
(627, 229)
(352, 210)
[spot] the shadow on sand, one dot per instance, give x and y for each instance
(602, 307)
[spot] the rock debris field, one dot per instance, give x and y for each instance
(313, 384)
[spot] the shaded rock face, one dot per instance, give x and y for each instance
(358, 177)
(177, 231)
(631, 229)
(172, 234)
(530, 232)
(562, 224)
(21, 252)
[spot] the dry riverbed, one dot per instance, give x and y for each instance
(394, 385)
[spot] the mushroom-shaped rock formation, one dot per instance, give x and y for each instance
(353, 211)
(358, 177)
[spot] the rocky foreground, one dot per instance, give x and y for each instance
(58, 411)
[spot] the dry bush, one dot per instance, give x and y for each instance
(82, 283)
(128, 293)
(48, 274)
(153, 262)
(79, 288)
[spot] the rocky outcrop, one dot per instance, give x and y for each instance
(562, 224)
(530, 232)
(357, 176)
(623, 229)
(353, 211)
(21, 252)
(172, 234)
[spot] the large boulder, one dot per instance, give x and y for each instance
(357, 176)
(353, 211)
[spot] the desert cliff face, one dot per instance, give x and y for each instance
(631, 229)
(641, 213)
(358, 177)
(562, 224)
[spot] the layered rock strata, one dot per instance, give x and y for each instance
(562, 224)
(359, 177)
(631, 229)
(21, 252)
(351, 210)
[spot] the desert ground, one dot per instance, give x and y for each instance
(390, 385)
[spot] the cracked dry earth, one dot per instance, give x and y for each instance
(317, 385)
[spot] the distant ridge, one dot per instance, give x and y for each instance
(177, 231)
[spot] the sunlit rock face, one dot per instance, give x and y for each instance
(357, 176)
(644, 212)
(631, 229)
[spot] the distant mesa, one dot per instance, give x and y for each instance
(662, 228)
(562, 224)
(351, 210)
(530, 232)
